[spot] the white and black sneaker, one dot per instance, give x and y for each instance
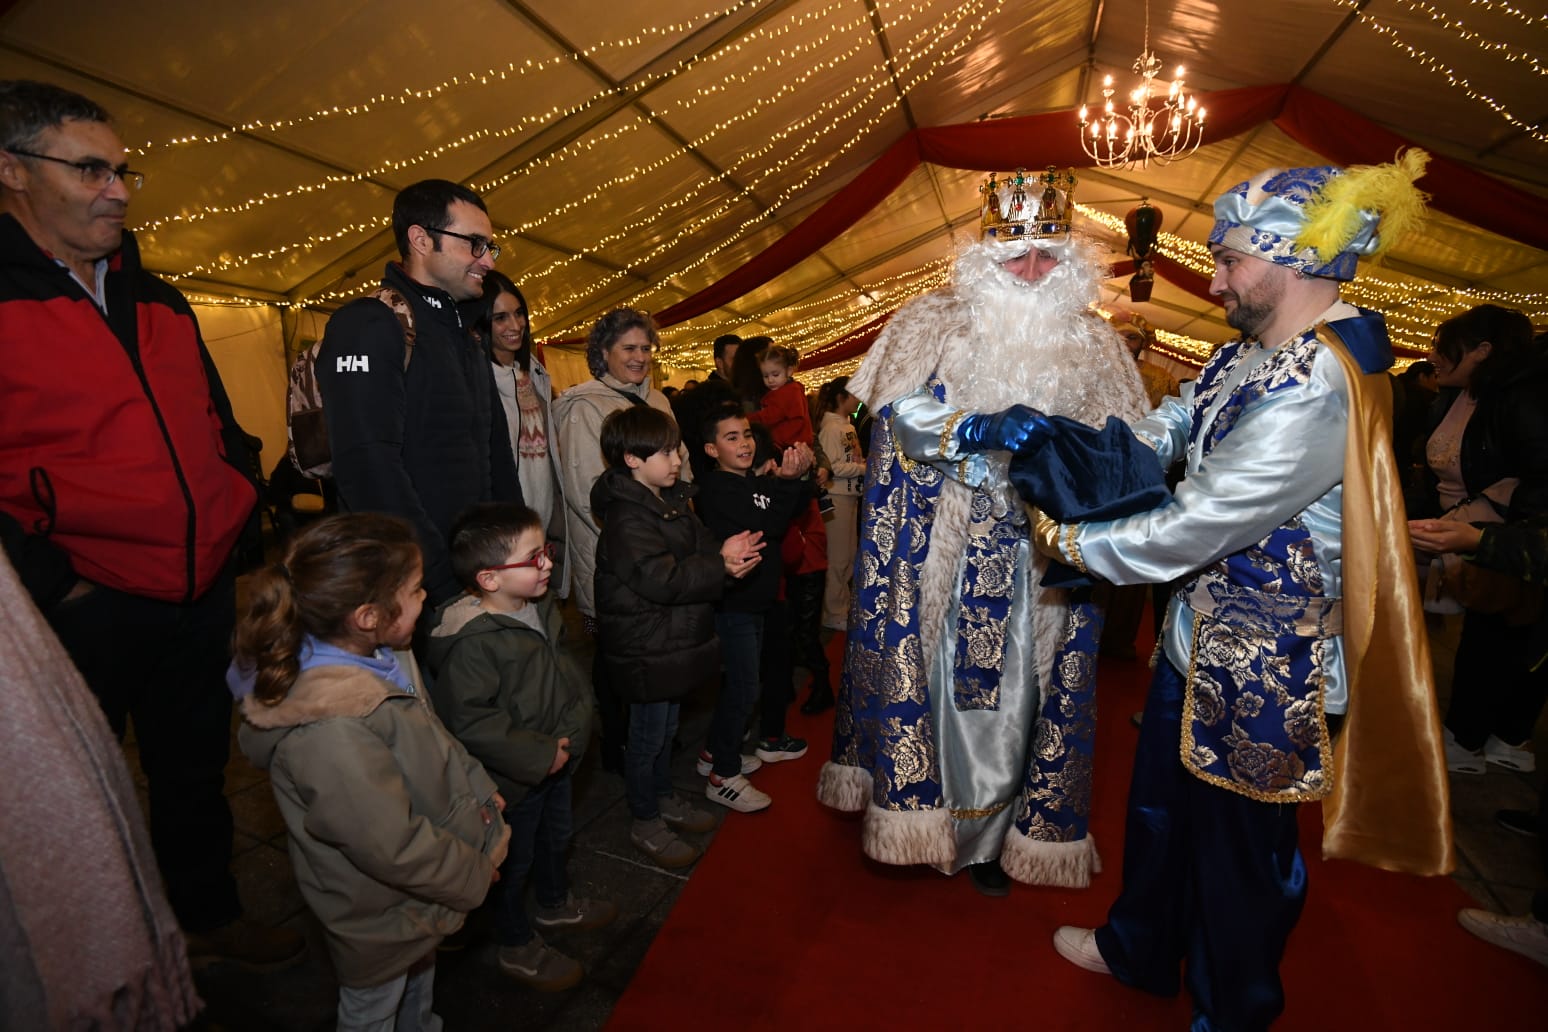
(738, 794)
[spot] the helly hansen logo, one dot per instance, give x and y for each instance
(354, 364)
(761, 501)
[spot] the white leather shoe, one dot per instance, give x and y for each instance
(1078, 946)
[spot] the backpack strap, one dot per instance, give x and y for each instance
(634, 399)
(394, 299)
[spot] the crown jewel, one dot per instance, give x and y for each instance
(1019, 205)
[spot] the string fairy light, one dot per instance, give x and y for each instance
(934, 31)
(1510, 53)
(408, 94)
(1435, 65)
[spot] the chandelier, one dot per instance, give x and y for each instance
(1143, 134)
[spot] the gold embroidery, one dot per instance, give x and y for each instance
(1071, 547)
(975, 815)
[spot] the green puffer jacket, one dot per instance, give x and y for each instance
(386, 815)
(507, 692)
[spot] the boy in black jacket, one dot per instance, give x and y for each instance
(658, 574)
(733, 499)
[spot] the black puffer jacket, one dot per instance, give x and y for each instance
(659, 573)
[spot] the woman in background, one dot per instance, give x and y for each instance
(1488, 464)
(527, 395)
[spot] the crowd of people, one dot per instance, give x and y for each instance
(1003, 468)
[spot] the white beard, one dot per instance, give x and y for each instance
(1036, 343)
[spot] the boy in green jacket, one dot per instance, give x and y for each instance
(507, 690)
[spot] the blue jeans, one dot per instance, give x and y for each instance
(648, 760)
(741, 646)
(540, 837)
(401, 1004)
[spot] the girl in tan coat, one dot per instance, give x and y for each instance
(395, 831)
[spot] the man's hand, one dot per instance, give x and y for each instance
(1016, 429)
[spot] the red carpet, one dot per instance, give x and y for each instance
(785, 925)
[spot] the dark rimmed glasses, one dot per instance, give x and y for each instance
(477, 244)
(95, 172)
(547, 553)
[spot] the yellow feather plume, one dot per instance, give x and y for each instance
(1334, 217)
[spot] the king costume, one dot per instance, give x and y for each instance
(1297, 614)
(954, 645)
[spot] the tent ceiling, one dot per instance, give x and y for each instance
(640, 150)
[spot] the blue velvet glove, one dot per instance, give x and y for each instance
(1016, 429)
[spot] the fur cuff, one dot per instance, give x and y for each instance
(909, 836)
(843, 787)
(1065, 865)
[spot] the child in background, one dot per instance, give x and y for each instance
(395, 831)
(659, 573)
(842, 446)
(733, 499)
(783, 407)
(504, 685)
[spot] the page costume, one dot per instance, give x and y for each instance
(1298, 603)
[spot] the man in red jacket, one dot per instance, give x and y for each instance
(121, 497)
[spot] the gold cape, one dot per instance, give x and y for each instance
(1391, 805)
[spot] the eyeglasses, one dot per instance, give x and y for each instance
(478, 245)
(95, 172)
(546, 554)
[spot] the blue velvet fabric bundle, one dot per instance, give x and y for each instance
(1083, 475)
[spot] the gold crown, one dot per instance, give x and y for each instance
(1020, 205)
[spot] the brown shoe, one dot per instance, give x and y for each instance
(657, 841)
(540, 965)
(247, 944)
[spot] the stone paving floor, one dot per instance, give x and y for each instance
(1499, 869)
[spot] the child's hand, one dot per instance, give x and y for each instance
(497, 855)
(796, 461)
(561, 756)
(739, 552)
(495, 805)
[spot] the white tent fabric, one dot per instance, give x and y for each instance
(639, 151)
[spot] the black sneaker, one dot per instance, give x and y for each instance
(989, 878)
(1522, 822)
(774, 750)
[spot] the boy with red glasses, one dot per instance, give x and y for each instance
(506, 687)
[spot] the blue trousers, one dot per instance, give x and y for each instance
(541, 824)
(1212, 881)
(741, 646)
(648, 760)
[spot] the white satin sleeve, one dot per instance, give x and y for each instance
(1284, 453)
(926, 431)
(1165, 429)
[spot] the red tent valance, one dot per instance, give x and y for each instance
(1341, 136)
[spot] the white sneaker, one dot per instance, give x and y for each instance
(1460, 760)
(1511, 757)
(738, 794)
(1524, 935)
(706, 764)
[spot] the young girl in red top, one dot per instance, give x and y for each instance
(784, 409)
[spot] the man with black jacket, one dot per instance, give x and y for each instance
(121, 493)
(422, 438)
